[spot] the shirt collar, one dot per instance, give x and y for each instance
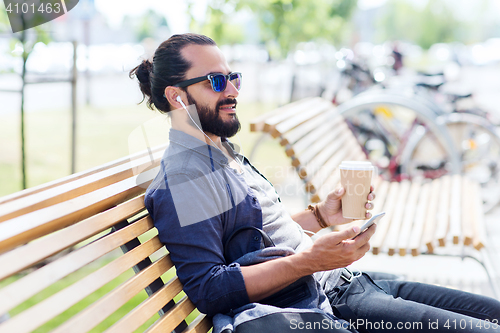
(190, 142)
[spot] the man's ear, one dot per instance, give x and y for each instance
(171, 94)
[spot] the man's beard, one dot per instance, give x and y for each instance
(212, 123)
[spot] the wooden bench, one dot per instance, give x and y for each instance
(420, 215)
(60, 243)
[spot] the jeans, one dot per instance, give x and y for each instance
(396, 305)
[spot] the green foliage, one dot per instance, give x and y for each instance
(221, 27)
(288, 22)
(27, 38)
(4, 20)
(434, 23)
(283, 23)
(148, 23)
(221, 23)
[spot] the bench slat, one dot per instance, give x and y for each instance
(315, 127)
(104, 307)
(378, 238)
(331, 166)
(34, 225)
(288, 111)
(135, 318)
(443, 220)
(299, 118)
(201, 324)
(408, 218)
(311, 167)
(316, 140)
(381, 190)
(22, 289)
(332, 141)
(467, 212)
(430, 218)
(455, 214)
(393, 233)
(76, 176)
(173, 317)
(479, 230)
(76, 188)
(257, 124)
(332, 181)
(56, 304)
(26, 256)
(415, 242)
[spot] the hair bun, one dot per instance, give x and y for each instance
(143, 74)
(143, 71)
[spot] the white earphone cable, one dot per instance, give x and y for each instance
(237, 160)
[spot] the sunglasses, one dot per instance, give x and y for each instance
(217, 80)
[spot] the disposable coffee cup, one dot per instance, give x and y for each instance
(356, 179)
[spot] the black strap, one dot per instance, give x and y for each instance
(344, 312)
(268, 242)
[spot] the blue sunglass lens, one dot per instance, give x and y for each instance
(219, 83)
(235, 79)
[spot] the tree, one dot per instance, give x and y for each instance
(149, 23)
(283, 23)
(434, 23)
(27, 39)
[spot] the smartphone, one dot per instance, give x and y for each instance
(373, 219)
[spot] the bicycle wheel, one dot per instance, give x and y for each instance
(382, 121)
(380, 130)
(478, 144)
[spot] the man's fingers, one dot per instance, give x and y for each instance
(337, 194)
(365, 237)
(348, 233)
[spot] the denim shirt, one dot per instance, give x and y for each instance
(196, 202)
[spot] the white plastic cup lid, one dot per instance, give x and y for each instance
(356, 165)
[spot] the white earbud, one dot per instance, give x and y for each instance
(179, 99)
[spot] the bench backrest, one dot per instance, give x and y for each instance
(69, 250)
(316, 138)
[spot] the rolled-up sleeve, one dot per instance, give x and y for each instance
(190, 222)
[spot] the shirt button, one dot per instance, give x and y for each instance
(256, 238)
(254, 199)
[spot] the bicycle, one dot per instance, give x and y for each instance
(405, 139)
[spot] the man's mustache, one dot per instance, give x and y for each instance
(226, 102)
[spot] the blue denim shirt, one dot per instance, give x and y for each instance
(197, 201)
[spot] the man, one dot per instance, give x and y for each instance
(210, 206)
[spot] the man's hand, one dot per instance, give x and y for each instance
(331, 208)
(331, 251)
(338, 249)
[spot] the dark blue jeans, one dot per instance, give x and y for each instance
(395, 305)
